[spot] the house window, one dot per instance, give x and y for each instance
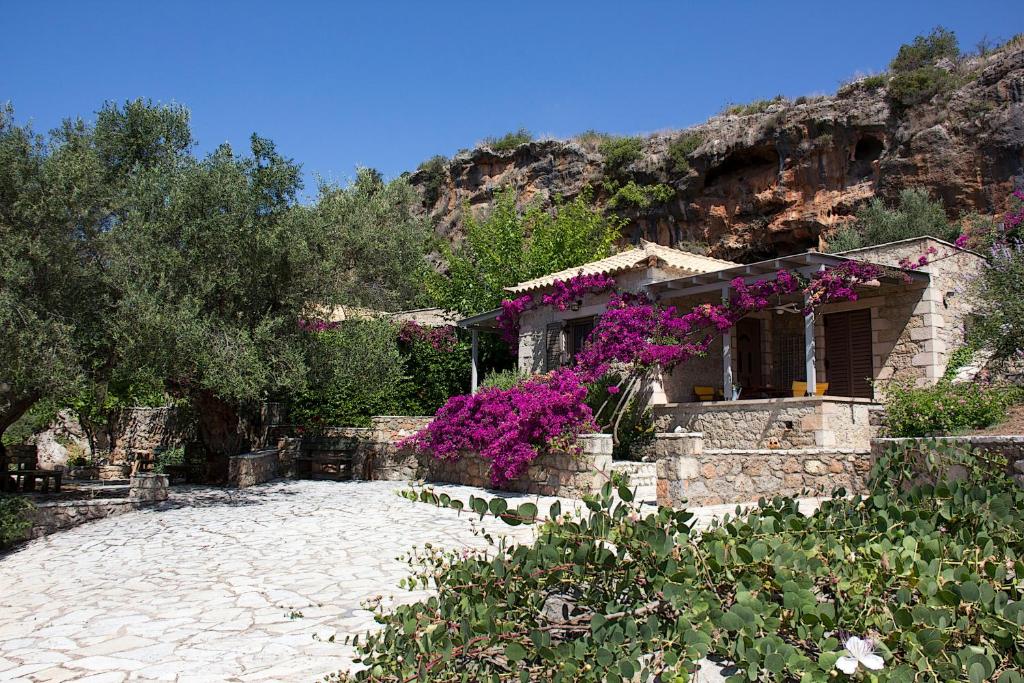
(563, 340)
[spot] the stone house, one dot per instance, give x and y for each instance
(778, 379)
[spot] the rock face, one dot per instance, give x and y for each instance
(783, 179)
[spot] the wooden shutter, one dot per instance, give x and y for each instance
(848, 361)
(553, 347)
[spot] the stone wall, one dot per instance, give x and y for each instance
(689, 474)
(140, 430)
(643, 477)
(552, 474)
(50, 516)
(249, 469)
(807, 422)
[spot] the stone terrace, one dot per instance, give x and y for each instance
(221, 585)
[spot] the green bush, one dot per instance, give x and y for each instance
(755, 107)
(619, 154)
(504, 379)
(920, 85)
(431, 376)
(435, 175)
(876, 82)
(915, 78)
(924, 51)
(173, 456)
(632, 195)
(930, 572)
(916, 215)
(946, 408)
(593, 138)
(14, 518)
(680, 149)
(509, 141)
(999, 310)
(356, 373)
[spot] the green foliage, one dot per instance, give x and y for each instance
(680, 149)
(169, 457)
(920, 85)
(755, 107)
(924, 51)
(999, 312)
(875, 82)
(927, 568)
(509, 247)
(959, 358)
(915, 78)
(916, 215)
(435, 174)
(504, 379)
(378, 241)
(634, 196)
(14, 518)
(593, 139)
(509, 141)
(356, 373)
(34, 420)
(619, 154)
(431, 376)
(946, 408)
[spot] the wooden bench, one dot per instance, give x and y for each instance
(330, 466)
(25, 473)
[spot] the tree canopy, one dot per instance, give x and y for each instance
(508, 247)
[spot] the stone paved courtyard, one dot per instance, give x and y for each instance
(218, 585)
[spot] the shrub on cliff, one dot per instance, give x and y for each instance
(509, 141)
(619, 154)
(435, 174)
(680, 149)
(916, 78)
(916, 215)
(635, 196)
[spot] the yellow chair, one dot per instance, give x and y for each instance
(704, 393)
(800, 389)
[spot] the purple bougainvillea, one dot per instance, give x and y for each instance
(564, 294)
(511, 427)
(440, 338)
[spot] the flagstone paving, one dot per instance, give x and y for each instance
(219, 585)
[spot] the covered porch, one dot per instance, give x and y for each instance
(839, 351)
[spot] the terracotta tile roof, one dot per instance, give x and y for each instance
(646, 255)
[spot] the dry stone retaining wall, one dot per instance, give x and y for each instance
(1012, 447)
(552, 474)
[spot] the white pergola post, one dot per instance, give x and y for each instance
(810, 358)
(474, 375)
(727, 382)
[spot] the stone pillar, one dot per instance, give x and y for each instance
(678, 462)
(597, 450)
(147, 487)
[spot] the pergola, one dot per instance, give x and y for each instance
(483, 322)
(806, 264)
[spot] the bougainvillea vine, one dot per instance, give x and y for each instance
(563, 295)
(511, 427)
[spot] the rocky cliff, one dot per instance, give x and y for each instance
(780, 178)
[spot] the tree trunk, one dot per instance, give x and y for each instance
(224, 428)
(11, 408)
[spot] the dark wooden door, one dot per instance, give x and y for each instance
(848, 363)
(748, 353)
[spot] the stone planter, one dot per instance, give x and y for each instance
(147, 487)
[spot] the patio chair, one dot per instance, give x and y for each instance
(800, 389)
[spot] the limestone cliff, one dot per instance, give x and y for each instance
(782, 179)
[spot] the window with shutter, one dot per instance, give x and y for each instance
(848, 362)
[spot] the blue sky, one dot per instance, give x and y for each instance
(389, 84)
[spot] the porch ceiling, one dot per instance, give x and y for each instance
(806, 264)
